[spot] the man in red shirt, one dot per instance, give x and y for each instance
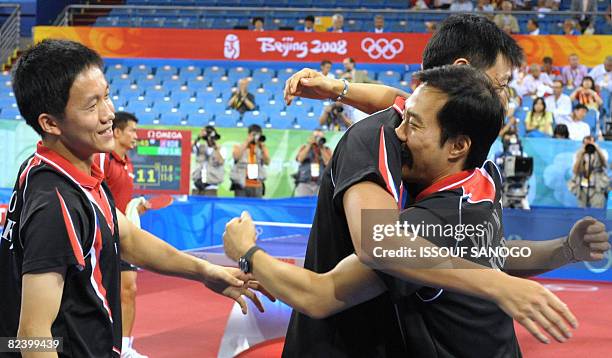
(119, 175)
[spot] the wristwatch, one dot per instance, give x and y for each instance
(244, 263)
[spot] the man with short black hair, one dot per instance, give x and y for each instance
(559, 104)
(326, 66)
(379, 24)
(577, 128)
(309, 21)
(533, 28)
(258, 23)
(60, 248)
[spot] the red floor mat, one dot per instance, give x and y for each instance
(179, 318)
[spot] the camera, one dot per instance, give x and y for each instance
(210, 135)
(516, 169)
(589, 148)
(258, 138)
(320, 140)
(337, 108)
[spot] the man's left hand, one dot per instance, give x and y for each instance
(588, 240)
(143, 207)
(239, 236)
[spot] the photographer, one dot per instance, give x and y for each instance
(248, 173)
(313, 158)
(333, 117)
(516, 167)
(590, 181)
(242, 100)
(209, 171)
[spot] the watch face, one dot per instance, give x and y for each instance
(243, 265)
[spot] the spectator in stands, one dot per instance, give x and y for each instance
(352, 74)
(258, 24)
(507, 21)
(590, 182)
(584, 6)
(536, 83)
(210, 157)
(420, 4)
(337, 23)
(250, 158)
(486, 6)
(242, 100)
(309, 22)
(577, 128)
(379, 24)
(586, 94)
(559, 104)
(533, 27)
(313, 158)
(561, 132)
(569, 28)
(442, 4)
(326, 66)
(548, 68)
(333, 117)
(539, 119)
(572, 74)
(602, 75)
(462, 6)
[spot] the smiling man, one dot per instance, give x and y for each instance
(59, 253)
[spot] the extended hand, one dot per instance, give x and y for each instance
(239, 236)
(588, 240)
(534, 307)
(309, 83)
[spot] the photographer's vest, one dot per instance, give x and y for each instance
(249, 171)
(207, 168)
(311, 169)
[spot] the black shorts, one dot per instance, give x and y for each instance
(126, 266)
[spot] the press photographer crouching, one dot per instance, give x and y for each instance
(209, 170)
(516, 169)
(590, 182)
(334, 117)
(313, 158)
(249, 172)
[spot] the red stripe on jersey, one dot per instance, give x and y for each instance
(97, 274)
(34, 161)
(74, 241)
(399, 104)
(476, 184)
(383, 168)
(117, 350)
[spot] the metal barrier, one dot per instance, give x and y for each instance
(138, 12)
(9, 33)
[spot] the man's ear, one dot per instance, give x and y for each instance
(459, 147)
(116, 132)
(49, 124)
(461, 61)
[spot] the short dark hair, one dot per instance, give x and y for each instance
(561, 131)
(547, 59)
(472, 37)
(309, 18)
(580, 106)
(122, 118)
(473, 108)
(258, 18)
(44, 74)
(351, 60)
(254, 128)
(326, 62)
(535, 22)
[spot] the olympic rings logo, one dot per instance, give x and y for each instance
(382, 47)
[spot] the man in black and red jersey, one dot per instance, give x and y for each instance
(366, 173)
(119, 176)
(59, 253)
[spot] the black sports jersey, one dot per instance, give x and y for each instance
(61, 217)
(368, 151)
(444, 324)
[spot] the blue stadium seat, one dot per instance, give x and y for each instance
(172, 118)
(146, 117)
(280, 122)
(389, 76)
(156, 96)
(138, 107)
(254, 117)
(591, 119)
(181, 95)
(224, 87)
(226, 119)
(190, 107)
(214, 107)
(167, 69)
(263, 74)
(164, 107)
(309, 123)
(115, 70)
(10, 112)
(199, 119)
(236, 73)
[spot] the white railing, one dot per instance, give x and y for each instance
(9, 32)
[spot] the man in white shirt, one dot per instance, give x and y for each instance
(326, 66)
(577, 128)
(537, 83)
(602, 74)
(379, 24)
(309, 23)
(559, 104)
(533, 27)
(461, 6)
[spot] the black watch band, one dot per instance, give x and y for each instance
(245, 263)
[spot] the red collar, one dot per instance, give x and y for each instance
(399, 104)
(64, 165)
(119, 159)
(444, 183)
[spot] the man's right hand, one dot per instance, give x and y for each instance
(535, 307)
(309, 83)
